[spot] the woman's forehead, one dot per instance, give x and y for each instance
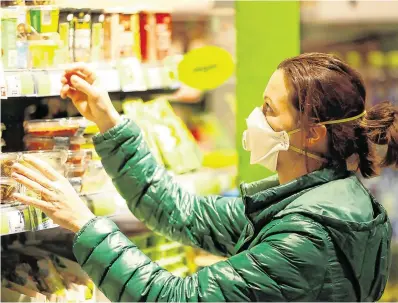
(277, 90)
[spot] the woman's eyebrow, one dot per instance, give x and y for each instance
(265, 97)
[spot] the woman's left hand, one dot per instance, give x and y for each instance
(58, 200)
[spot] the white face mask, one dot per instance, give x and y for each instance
(265, 144)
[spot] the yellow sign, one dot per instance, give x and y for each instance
(206, 67)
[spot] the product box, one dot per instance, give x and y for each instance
(163, 35)
(147, 22)
(9, 38)
(82, 39)
(111, 36)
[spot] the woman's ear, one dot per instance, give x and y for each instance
(316, 134)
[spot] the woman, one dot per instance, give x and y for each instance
(313, 233)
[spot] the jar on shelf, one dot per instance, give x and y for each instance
(82, 40)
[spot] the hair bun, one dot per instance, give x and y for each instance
(381, 125)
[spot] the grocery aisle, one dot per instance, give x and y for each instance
(196, 135)
(136, 54)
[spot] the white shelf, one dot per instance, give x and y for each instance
(126, 75)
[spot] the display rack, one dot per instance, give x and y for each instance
(124, 76)
(18, 219)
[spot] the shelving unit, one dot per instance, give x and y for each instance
(17, 219)
(124, 76)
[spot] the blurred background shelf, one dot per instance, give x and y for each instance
(134, 78)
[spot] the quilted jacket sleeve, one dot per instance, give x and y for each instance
(212, 223)
(289, 265)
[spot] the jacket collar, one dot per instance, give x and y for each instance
(263, 199)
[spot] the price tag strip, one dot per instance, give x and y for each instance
(43, 83)
(3, 86)
(15, 220)
(131, 75)
(13, 82)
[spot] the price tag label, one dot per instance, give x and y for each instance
(16, 221)
(27, 84)
(13, 85)
(131, 75)
(43, 83)
(3, 86)
(109, 79)
(55, 82)
(155, 79)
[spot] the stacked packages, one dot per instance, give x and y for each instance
(30, 274)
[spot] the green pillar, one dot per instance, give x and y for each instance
(267, 32)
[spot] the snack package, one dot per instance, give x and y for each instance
(79, 287)
(178, 147)
(134, 109)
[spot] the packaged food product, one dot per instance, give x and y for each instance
(9, 53)
(180, 152)
(129, 24)
(101, 204)
(49, 143)
(7, 160)
(42, 53)
(82, 41)
(163, 35)
(112, 39)
(97, 35)
(147, 21)
(8, 188)
(44, 18)
(65, 127)
(91, 128)
(95, 178)
(80, 157)
(134, 109)
(56, 158)
(74, 171)
(66, 31)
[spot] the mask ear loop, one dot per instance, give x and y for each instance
(313, 156)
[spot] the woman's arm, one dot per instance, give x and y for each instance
(289, 265)
(213, 223)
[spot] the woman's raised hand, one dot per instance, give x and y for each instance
(92, 101)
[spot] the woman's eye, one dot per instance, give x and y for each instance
(266, 108)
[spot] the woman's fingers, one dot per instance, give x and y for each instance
(43, 205)
(43, 167)
(32, 175)
(82, 85)
(83, 70)
(36, 187)
(64, 91)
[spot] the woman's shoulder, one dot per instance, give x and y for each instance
(342, 200)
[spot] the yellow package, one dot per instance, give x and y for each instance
(180, 151)
(134, 110)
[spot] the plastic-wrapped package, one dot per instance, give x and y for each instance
(134, 109)
(180, 151)
(65, 127)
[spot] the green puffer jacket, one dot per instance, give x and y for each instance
(321, 237)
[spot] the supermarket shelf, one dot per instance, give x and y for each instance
(127, 76)
(18, 219)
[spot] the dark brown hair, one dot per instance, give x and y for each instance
(324, 88)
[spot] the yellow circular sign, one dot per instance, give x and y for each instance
(206, 67)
